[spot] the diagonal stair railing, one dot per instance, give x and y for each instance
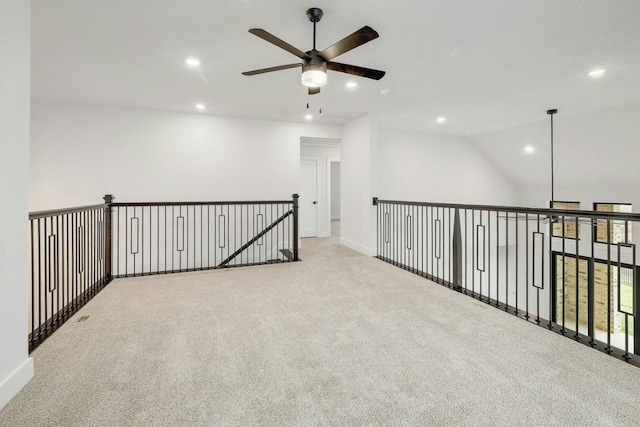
(257, 237)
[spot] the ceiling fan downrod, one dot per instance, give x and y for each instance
(315, 15)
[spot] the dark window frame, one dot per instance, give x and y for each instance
(560, 236)
(594, 231)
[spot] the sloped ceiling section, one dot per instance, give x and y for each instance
(591, 149)
(484, 65)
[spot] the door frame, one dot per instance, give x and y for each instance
(329, 195)
(317, 160)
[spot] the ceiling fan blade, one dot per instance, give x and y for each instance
(270, 69)
(280, 43)
(360, 37)
(355, 70)
(314, 90)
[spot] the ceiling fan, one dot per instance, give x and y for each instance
(316, 63)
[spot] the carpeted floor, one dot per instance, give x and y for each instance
(337, 339)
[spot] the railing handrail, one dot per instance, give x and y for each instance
(624, 216)
(192, 203)
(64, 211)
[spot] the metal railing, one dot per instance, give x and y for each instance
(69, 265)
(76, 252)
(155, 238)
(553, 267)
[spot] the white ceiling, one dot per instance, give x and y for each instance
(484, 64)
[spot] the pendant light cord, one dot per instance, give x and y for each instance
(551, 113)
(552, 199)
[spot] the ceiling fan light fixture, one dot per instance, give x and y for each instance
(314, 76)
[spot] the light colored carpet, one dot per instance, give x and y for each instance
(338, 339)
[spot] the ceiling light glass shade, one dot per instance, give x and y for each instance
(314, 77)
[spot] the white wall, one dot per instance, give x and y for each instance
(322, 151)
(81, 152)
(436, 168)
(335, 189)
(357, 226)
(400, 165)
(16, 368)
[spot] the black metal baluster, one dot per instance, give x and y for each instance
(497, 259)
(141, 248)
(74, 260)
(608, 348)
(47, 276)
(33, 281)
(564, 291)
(534, 265)
(185, 239)
(450, 251)
(201, 240)
(466, 252)
(56, 260)
(577, 335)
(591, 287)
(378, 246)
(68, 298)
(526, 289)
(517, 309)
(85, 250)
(506, 261)
(484, 248)
(473, 258)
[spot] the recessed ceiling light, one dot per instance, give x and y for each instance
(352, 85)
(441, 119)
(201, 106)
(384, 92)
(308, 116)
(529, 149)
(192, 62)
(597, 73)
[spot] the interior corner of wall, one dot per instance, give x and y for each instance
(16, 380)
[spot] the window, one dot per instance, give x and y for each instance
(613, 297)
(571, 229)
(619, 231)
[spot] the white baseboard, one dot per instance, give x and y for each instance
(357, 247)
(15, 381)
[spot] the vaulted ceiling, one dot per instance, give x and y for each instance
(484, 65)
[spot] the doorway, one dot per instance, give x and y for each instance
(308, 201)
(316, 186)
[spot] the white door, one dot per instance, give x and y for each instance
(308, 202)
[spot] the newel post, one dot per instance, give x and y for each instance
(295, 227)
(108, 198)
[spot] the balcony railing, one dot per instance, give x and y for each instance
(154, 238)
(76, 252)
(553, 267)
(69, 265)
